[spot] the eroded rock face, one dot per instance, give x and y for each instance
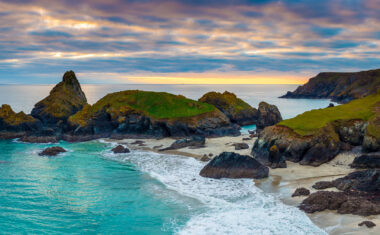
(268, 115)
(120, 149)
(235, 109)
(233, 165)
(64, 100)
(52, 151)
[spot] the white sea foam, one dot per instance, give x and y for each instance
(231, 206)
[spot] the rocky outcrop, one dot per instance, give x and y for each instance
(52, 151)
(301, 192)
(234, 108)
(341, 87)
(307, 150)
(233, 165)
(193, 142)
(368, 224)
(359, 195)
(120, 149)
(323, 185)
(366, 161)
(11, 122)
(64, 100)
(142, 113)
(268, 115)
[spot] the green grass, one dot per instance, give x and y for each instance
(226, 100)
(310, 122)
(155, 104)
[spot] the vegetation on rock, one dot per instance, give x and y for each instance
(14, 119)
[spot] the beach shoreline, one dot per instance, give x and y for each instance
(281, 182)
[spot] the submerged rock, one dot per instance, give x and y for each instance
(366, 161)
(64, 100)
(301, 192)
(120, 149)
(52, 151)
(367, 223)
(233, 165)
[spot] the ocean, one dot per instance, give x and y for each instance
(89, 190)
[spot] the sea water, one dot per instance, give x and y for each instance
(89, 190)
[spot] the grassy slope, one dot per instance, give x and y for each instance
(309, 122)
(154, 104)
(227, 100)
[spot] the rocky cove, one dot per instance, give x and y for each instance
(128, 115)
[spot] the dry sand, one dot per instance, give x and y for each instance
(282, 181)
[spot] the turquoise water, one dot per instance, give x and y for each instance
(80, 191)
(89, 190)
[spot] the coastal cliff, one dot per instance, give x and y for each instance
(317, 136)
(340, 87)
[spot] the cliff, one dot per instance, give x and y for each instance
(317, 136)
(340, 87)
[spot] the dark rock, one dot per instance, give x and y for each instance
(275, 158)
(52, 151)
(341, 87)
(194, 141)
(301, 192)
(366, 161)
(233, 165)
(210, 154)
(240, 146)
(205, 158)
(64, 100)
(158, 146)
(323, 200)
(120, 149)
(268, 115)
(331, 105)
(351, 131)
(323, 185)
(360, 182)
(138, 142)
(367, 223)
(245, 139)
(235, 109)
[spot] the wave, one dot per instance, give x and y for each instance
(231, 206)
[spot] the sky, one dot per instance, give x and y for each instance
(189, 41)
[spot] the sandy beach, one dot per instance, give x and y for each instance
(281, 181)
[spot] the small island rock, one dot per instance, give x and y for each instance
(120, 149)
(52, 151)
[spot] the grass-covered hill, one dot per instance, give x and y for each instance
(341, 87)
(310, 122)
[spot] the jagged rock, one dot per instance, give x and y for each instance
(120, 149)
(234, 108)
(367, 223)
(233, 165)
(341, 87)
(351, 131)
(52, 151)
(64, 100)
(16, 122)
(360, 182)
(301, 192)
(366, 161)
(268, 115)
(194, 141)
(240, 146)
(323, 185)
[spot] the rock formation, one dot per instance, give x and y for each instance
(233, 165)
(301, 192)
(64, 100)
(234, 108)
(268, 115)
(341, 87)
(193, 142)
(366, 161)
(120, 149)
(52, 151)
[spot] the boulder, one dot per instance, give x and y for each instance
(64, 100)
(323, 200)
(52, 151)
(367, 223)
(323, 185)
(234, 108)
(366, 161)
(233, 165)
(301, 192)
(268, 115)
(120, 149)
(194, 141)
(240, 146)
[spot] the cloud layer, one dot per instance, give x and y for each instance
(186, 41)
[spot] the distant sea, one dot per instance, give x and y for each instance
(89, 190)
